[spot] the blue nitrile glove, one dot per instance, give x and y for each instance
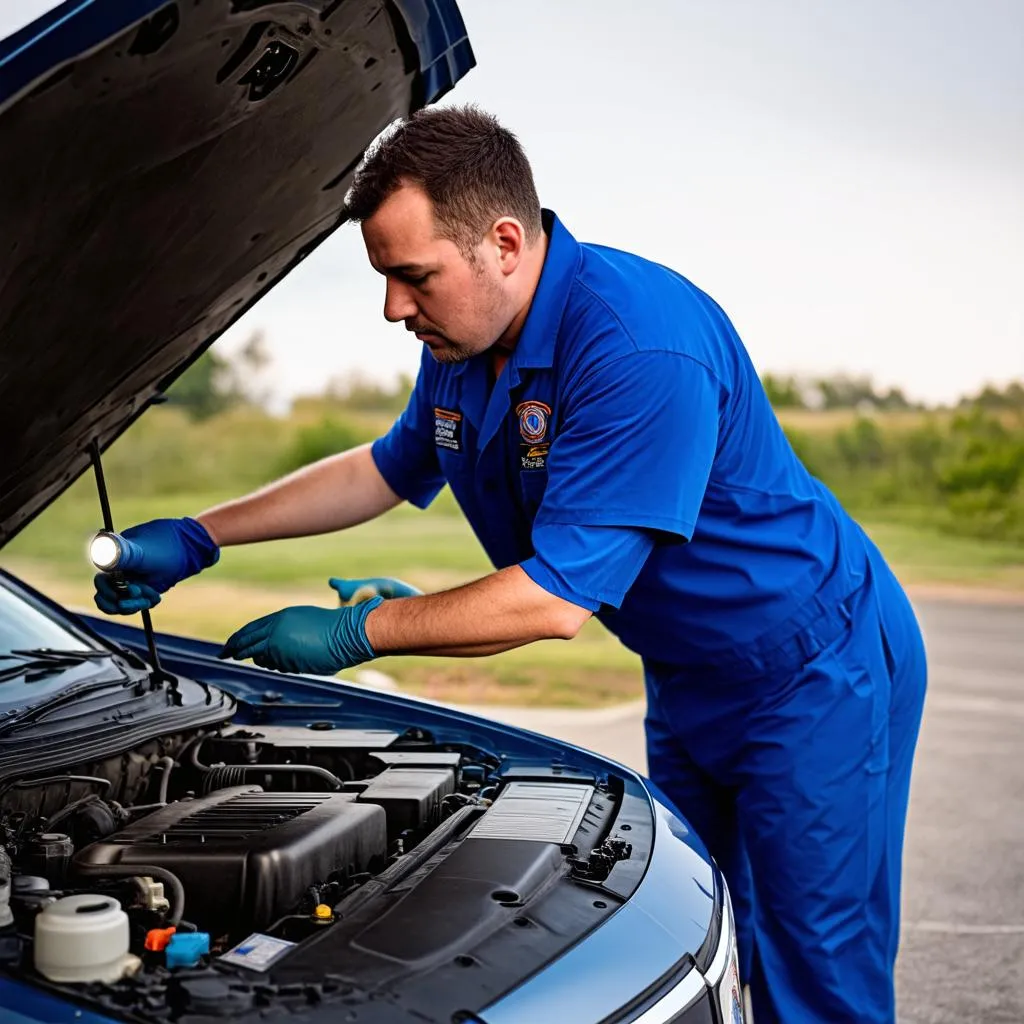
(305, 638)
(156, 555)
(354, 591)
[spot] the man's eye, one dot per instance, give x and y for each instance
(416, 279)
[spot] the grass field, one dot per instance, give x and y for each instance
(432, 550)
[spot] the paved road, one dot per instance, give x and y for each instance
(962, 954)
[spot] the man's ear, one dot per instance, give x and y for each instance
(509, 239)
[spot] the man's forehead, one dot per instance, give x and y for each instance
(408, 210)
(402, 232)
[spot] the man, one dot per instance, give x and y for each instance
(606, 435)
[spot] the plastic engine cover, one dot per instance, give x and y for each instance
(245, 857)
(411, 797)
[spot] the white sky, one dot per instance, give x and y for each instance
(846, 180)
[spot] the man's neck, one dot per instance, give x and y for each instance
(500, 355)
(533, 268)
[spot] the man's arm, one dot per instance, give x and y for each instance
(496, 613)
(332, 494)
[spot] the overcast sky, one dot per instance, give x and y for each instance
(845, 179)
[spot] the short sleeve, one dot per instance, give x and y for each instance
(636, 445)
(407, 456)
(589, 566)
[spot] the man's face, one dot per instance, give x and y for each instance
(455, 306)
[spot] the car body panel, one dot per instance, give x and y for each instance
(204, 151)
(595, 977)
(26, 1004)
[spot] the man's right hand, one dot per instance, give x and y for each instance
(156, 556)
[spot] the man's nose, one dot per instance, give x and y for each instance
(398, 302)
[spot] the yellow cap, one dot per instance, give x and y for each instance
(323, 912)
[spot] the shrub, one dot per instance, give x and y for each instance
(327, 436)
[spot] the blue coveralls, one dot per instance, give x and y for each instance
(628, 459)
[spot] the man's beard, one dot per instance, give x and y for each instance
(443, 349)
(489, 301)
(451, 352)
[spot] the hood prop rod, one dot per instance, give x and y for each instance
(158, 675)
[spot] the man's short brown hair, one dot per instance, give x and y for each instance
(473, 170)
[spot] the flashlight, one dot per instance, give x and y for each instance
(106, 550)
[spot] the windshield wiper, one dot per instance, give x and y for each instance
(26, 716)
(75, 655)
(36, 669)
(39, 662)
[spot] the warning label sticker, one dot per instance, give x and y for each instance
(258, 952)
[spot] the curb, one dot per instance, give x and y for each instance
(954, 593)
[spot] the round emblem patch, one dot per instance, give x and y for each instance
(533, 421)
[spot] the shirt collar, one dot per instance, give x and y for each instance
(536, 346)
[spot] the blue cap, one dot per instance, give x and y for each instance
(185, 948)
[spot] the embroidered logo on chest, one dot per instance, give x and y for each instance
(448, 429)
(534, 419)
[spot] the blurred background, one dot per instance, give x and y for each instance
(845, 180)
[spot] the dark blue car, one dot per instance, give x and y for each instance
(198, 840)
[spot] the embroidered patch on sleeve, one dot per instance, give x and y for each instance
(448, 429)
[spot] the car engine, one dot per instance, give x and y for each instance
(223, 872)
(220, 834)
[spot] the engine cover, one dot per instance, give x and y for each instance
(245, 857)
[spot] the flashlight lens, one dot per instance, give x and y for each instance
(104, 551)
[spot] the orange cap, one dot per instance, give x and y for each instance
(157, 939)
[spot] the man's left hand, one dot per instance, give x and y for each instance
(354, 591)
(305, 638)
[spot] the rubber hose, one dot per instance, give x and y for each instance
(165, 779)
(66, 812)
(262, 742)
(222, 776)
(172, 883)
(51, 780)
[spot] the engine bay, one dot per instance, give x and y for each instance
(313, 861)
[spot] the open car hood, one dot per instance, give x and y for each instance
(163, 166)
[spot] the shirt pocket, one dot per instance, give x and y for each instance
(455, 469)
(452, 464)
(532, 484)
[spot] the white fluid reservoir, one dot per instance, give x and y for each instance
(82, 939)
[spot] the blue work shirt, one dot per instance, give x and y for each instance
(629, 460)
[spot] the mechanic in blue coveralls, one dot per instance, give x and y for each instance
(605, 433)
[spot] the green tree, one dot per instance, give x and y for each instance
(994, 400)
(328, 436)
(203, 390)
(783, 392)
(861, 446)
(355, 391)
(213, 383)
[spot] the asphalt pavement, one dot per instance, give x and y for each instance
(962, 951)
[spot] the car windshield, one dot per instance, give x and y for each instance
(23, 627)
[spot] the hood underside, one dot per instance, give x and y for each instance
(163, 166)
